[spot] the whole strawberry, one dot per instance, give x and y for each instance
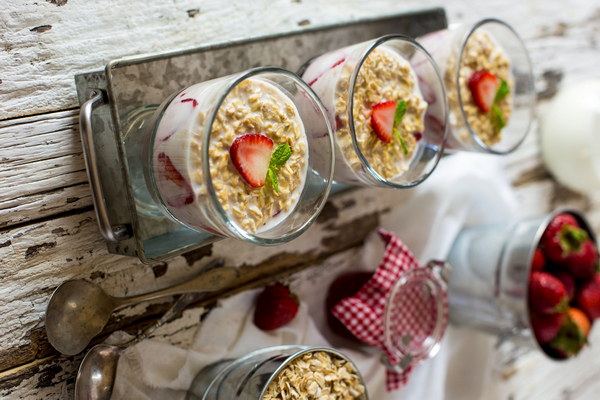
(568, 282)
(539, 261)
(275, 307)
(588, 297)
(572, 335)
(562, 237)
(582, 264)
(546, 326)
(547, 295)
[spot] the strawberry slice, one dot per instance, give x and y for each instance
(483, 86)
(382, 120)
(250, 155)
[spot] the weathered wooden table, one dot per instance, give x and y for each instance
(48, 231)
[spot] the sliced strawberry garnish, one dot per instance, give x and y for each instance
(184, 193)
(382, 120)
(483, 86)
(250, 155)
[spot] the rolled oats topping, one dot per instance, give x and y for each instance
(257, 155)
(257, 108)
(484, 82)
(316, 375)
(384, 77)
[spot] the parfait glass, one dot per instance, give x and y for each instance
(208, 156)
(489, 82)
(389, 122)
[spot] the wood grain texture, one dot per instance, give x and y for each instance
(48, 231)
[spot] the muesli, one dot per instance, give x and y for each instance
(257, 154)
(316, 375)
(484, 81)
(387, 108)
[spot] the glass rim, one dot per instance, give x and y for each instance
(423, 275)
(350, 101)
(463, 43)
(214, 203)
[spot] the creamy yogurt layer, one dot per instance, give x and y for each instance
(253, 109)
(385, 76)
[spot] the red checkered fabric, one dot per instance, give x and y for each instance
(413, 315)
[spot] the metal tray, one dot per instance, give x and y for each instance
(116, 105)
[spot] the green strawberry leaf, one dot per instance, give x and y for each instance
(398, 115)
(279, 157)
(570, 239)
(569, 339)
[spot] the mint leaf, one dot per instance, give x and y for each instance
(497, 118)
(272, 178)
(281, 154)
(398, 115)
(502, 91)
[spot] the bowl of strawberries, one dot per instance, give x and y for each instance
(534, 281)
(564, 286)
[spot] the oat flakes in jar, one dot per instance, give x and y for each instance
(389, 123)
(489, 82)
(281, 373)
(248, 156)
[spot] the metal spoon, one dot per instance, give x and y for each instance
(98, 369)
(78, 310)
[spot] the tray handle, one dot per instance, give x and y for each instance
(96, 98)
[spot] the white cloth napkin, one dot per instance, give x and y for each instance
(466, 189)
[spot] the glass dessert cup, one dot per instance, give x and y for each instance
(417, 299)
(389, 124)
(480, 119)
(253, 376)
(248, 156)
(489, 284)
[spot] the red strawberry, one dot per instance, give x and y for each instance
(184, 195)
(572, 335)
(562, 237)
(546, 326)
(538, 262)
(568, 282)
(250, 155)
(588, 297)
(483, 86)
(547, 295)
(275, 307)
(582, 264)
(382, 120)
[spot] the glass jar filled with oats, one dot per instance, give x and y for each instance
(281, 373)
(381, 110)
(489, 82)
(249, 156)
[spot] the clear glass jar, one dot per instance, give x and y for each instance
(189, 169)
(352, 80)
(414, 318)
(249, 377)
(488, 45)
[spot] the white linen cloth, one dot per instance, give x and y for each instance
(465, 189)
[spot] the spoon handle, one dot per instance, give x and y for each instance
(212, 280)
